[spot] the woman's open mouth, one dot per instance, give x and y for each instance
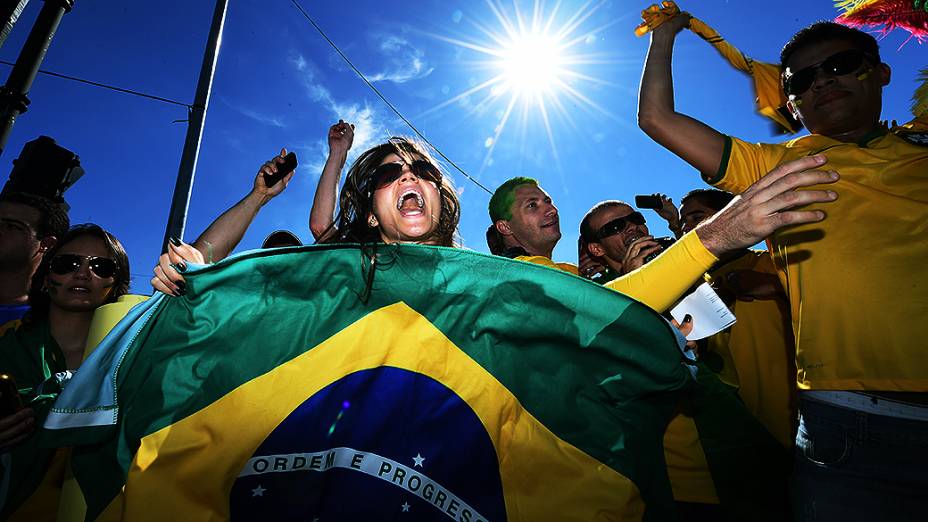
(410, 203)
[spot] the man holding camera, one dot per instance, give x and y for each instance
(855, 282)
(616, 236)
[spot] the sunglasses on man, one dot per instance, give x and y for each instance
(838, 64)
(387, 173)
(617, 225)
(102, 267)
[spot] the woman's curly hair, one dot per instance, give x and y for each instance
(356, 201)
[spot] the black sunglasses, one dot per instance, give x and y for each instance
(387, 173)
(838, 64)
(102, 267)
(617, 225)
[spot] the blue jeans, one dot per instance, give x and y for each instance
(852, 465)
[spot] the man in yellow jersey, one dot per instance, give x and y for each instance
(759, 346)
(526, 217)
(755, 356)
(856, 282)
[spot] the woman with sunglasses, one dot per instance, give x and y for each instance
(394, 193)
(86, 269)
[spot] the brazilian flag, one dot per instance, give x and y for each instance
(377, 383)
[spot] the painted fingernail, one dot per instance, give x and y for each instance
(174, 241)
(832, 194)
(181, 285)
(180, 292)
(687, 318)
(181, 267)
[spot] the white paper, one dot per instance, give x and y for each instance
(709, 313)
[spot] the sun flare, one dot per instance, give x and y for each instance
(531, 64)
(536, 55)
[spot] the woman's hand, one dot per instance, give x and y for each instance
(270, 169)
(341, 137)
(15, 428)
(167, 279)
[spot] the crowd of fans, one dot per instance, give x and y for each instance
(824, 350)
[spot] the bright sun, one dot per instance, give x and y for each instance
(535, 54)
(531, 64)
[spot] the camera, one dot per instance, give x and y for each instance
(646, 201)
(664, 243)
(45, 169)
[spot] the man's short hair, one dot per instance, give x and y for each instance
(505, 195)
(824, 31)
(586, 230)
(713, 198)
(53, 220)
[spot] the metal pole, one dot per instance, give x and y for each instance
(13, 99)
(197, 114)
(9, 14)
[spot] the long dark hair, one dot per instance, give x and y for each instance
(38, 297)
(356, 201)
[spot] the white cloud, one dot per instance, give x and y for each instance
(402, 61)
(368, 127)
(368, 122)
(299, 62)
(259, 117)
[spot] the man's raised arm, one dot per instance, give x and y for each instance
(695, 142)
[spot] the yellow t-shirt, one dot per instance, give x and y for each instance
(547, 261)
(759, 348)
(660, 283)
(757, 354)
(856, 281)
(687, 467)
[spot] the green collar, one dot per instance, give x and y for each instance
(872, 135)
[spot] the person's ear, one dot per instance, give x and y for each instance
(595, 249)
(502, 226)
(885, 74)
(46, 243)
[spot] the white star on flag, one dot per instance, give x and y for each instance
(418, 460)
(258, 491)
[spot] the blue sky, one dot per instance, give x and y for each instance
(278, 83)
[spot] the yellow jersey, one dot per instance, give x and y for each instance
(756, 356)
(687, 467)
(758, 352)
(856, 281)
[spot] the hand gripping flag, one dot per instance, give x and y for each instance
(769, 96)
(450, 385)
